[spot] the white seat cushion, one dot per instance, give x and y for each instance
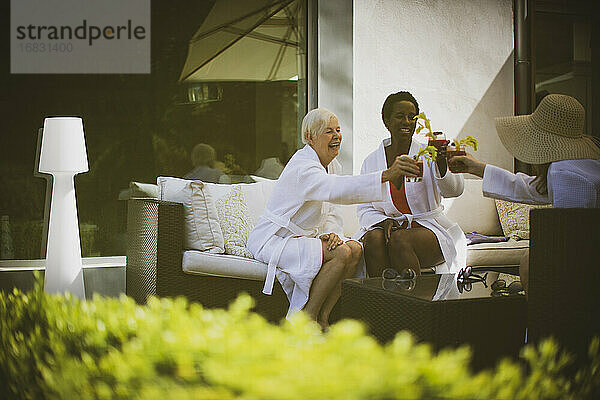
(229, 266)
(497, 254)
(225, 265)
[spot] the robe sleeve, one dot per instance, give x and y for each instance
(501, 184)
(450, 185)
(316, 184)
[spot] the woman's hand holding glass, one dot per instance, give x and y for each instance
(407, 165)
(466, 163)
(402, 166)
(442, 156)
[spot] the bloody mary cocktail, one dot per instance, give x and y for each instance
(439, 141)
(419, 177)
(452, 151)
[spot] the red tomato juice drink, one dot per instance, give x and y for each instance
(419, 177)
(439, 141)
(455, 151)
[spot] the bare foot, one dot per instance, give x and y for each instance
(324, 325)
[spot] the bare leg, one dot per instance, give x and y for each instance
(334, 295)
(524, 271)
(376, 252)
(356, 253)
(330, 275)
(415, 248)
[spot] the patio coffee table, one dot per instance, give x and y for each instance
(433, 309)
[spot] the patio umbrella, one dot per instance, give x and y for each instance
(252, 40)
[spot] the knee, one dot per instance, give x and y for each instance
(342, 256)
(374, 240)
(343, 253)
(355, 251)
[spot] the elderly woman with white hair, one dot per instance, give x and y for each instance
(300, 235)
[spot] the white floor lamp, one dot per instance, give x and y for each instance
(63, 154)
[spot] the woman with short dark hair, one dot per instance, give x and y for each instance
(408, 229)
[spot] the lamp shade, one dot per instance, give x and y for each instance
(63, 146)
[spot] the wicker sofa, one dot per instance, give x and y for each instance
(158, 264)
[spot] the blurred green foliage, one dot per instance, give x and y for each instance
(61, 348)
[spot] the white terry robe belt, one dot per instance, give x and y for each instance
(432, 214)
(296, 231)
(426, 215)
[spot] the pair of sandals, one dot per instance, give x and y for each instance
(500, 288)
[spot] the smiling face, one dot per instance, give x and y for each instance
(401, 122)
(327, 144)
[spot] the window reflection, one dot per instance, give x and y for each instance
(139, 127)
(563, 52)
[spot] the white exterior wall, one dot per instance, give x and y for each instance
(455, 57)
(335, 70)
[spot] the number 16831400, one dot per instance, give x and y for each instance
(62, 47)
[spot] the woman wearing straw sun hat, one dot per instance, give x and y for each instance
(566, 162)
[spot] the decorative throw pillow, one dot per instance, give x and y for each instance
(236, 223)
(514, 218)
(201, 222)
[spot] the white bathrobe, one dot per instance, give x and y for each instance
(570, 184)
(424, 201)
(286, 235)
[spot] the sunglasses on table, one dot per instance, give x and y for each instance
(393, 280)
(392, 274)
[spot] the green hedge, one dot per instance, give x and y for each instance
(60, 348)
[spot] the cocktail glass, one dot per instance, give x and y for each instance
(452, 151)
(439, 141)
(419, 177)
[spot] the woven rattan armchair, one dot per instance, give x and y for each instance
(564, 277)
(154, 256)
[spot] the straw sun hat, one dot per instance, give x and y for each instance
(553, 132)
